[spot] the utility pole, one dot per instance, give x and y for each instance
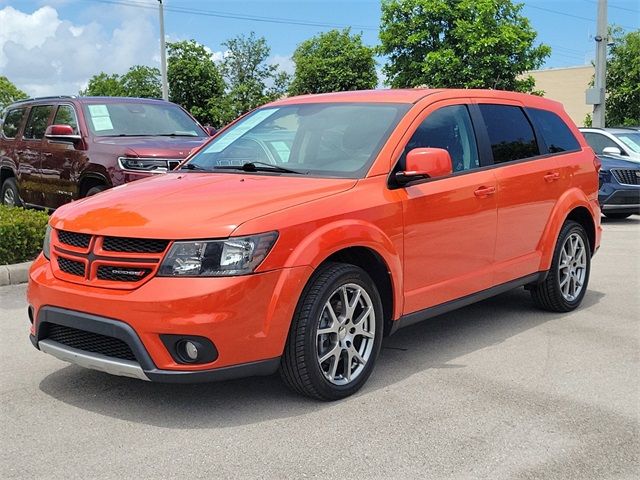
(163, 56)
(601, 65)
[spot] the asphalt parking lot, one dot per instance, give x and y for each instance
(496, 390)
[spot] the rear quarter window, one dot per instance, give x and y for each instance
(555, 132)
(510, 133)
(12, 122)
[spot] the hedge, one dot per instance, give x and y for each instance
(21, 234)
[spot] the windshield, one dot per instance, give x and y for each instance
(631, 140)
(140, 119)
(326, 139)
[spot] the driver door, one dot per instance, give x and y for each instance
(449, 222)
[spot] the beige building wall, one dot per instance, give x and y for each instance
(567, 86)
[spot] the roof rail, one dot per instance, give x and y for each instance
(50, 97)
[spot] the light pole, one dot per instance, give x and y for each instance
(163, 55)
(601, 66)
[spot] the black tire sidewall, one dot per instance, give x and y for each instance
(325, 388)
(570, 228)
(95, 191)
(10, 183)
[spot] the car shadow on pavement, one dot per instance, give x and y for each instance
(632, 220)
(433, 344)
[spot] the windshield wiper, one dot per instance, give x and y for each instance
(258, 167)
(192, 166)
(176, 134)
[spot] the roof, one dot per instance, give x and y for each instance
(79, 99)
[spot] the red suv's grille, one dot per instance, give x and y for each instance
(111, 262)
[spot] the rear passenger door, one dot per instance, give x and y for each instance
(529, 184)
(29, 155)
(449, 222)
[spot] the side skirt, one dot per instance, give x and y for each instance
(419, 316)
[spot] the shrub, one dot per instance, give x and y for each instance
(21, 234)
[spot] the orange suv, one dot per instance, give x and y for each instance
(314, 226)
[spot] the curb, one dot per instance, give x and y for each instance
(14, 274)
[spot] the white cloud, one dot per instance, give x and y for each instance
(45, 55)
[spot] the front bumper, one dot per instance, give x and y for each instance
(617, 198)
(247, 318)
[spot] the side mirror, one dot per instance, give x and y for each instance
(425, 163)
(211, 131)
(61, 133)
(611, 151)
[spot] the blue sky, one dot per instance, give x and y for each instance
(34, 41)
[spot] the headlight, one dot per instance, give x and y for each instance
(151, 165)
(217, 258)
(46, 244)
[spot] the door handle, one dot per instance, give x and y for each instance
(484, 191)
(551, 177)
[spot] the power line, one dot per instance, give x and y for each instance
(571, 15)
(616, 7)
(235, 16)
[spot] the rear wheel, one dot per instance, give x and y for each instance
(335, 334)
(9, 194)
(566, 283)
(617, 216)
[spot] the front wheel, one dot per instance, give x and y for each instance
(10, 196)
(335, 334)
(566, 283)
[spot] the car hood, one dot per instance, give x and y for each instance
(162, 147)
(617, 162)
(191, 205)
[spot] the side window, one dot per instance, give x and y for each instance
(599, 142)
(510, 133)
(66, 115)
(556, 134)
(37, 123)
(12, 122)
(449, 128)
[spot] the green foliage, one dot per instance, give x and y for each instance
(142, 81)
(331, 62)
(194, 80)
(623, 79)
(459, 44)
(139, 81)
(104, 85)
(247, 75)
(21, 234)
(9, 93)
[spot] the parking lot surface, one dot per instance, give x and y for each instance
(496, 390)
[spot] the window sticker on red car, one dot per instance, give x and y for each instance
(100, 117)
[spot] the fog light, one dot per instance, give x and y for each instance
(190, 351)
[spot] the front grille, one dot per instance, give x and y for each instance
(627, 177)
(89, 341)
(72, 267)
(122, 273)
(134, 245)
(80, 240)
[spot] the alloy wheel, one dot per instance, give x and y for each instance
(572, 267)
(9, 198)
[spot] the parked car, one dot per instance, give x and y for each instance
(621, 141)
(57, 149)
(306, 231)
(619, 193)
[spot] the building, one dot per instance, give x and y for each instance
(568, 86)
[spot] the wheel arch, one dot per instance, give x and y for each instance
(91, 179)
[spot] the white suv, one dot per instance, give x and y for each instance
(624, 142)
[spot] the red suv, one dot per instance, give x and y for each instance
(57, 149)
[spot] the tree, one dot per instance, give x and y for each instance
(623, 79)
(333, 61)
(459, 43)
(250, 80)
(194, 79)
(142, 81)
(104, 85)
(9, 93)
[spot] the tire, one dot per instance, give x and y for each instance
(9, 194)
(617, 216)
(94, 190)
(570, 270)
(301, 367)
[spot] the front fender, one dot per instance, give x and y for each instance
(323, 242)
(570, 200)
